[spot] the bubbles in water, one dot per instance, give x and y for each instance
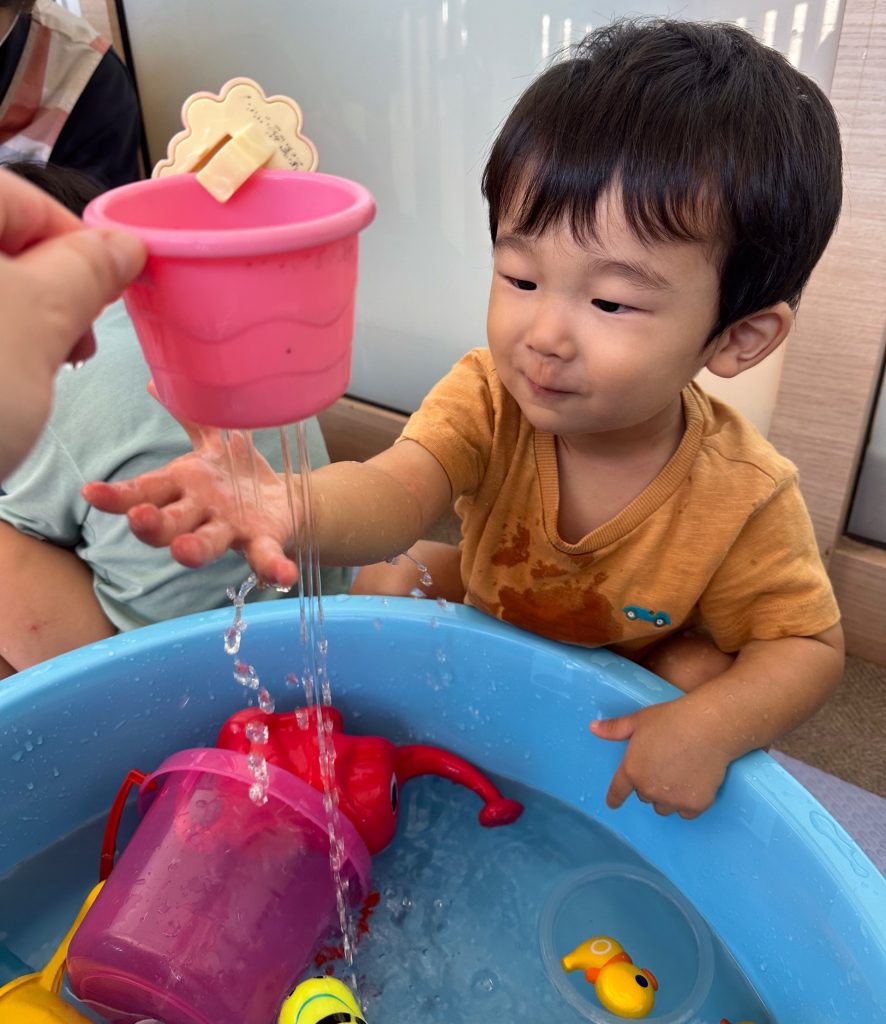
(266, 701)
(484, 981)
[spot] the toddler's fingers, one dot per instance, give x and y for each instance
(614, 728)
(159, 527)
(620, 788)
(126, 494)
(266, 556)
(206, 544)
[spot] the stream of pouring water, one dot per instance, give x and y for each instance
(314, 677)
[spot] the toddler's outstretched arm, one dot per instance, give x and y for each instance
(363, 512)
(678, 752)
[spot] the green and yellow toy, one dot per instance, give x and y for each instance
(321, 1001)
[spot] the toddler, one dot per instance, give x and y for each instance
(657, 201)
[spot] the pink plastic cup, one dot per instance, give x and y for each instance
(216, 905)
(245, 309)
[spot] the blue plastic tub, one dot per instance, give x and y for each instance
(800, 906)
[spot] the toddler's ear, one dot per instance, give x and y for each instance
(750, 340)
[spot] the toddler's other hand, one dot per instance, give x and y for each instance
(207, 502)
(672, 760)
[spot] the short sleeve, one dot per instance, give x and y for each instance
(772, 582)
(42, 496)
(456, 422)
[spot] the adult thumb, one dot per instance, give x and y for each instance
(82, 271)
(621, 728)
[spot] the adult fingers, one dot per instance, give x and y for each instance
(28, 215)
(68, 280)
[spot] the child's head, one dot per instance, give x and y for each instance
(70, 187)
(700, 133)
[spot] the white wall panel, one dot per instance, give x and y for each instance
(405, 96)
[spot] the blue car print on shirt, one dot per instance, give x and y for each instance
(658, 619)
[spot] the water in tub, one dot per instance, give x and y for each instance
(456, 935)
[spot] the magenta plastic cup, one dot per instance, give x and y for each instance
(217, 905)
(245, 309)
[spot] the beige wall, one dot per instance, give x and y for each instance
(833, 362)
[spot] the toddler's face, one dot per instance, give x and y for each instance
(599, 339)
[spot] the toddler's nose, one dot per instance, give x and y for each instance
(552, 334)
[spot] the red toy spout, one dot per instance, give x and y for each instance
(420, 759)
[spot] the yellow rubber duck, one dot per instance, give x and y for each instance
(622, 988)
(34, 998)
(318, 999)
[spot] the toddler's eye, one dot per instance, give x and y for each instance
(524, 286)
(609, 307)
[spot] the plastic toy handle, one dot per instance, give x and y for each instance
(420, 759)
(109, 840)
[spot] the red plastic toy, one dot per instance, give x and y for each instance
(369, 770)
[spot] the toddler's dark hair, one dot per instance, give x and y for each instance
(70, 187)
(702, 132)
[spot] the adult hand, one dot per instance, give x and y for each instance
(674, 760)
(55, 278)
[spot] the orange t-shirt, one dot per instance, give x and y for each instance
(721, 536)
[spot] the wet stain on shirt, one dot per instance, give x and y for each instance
(516, 550)
(544, 570)
(568, 611)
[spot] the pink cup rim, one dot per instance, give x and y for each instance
(104, 212)
(282, 785)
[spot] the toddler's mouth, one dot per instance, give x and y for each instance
(540, 389)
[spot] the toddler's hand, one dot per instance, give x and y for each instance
(206, 502)
(672, 761)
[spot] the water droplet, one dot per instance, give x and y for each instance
(257, 794)
(257, 732)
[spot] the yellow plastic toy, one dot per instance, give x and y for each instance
(320, 999)
(34, 998)
(622, 988)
